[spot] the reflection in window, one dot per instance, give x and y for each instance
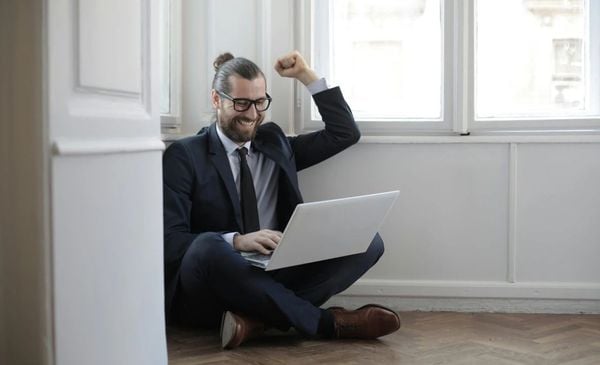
(568, 68)
(529, 57)
(387, 56)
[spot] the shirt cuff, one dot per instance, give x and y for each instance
(229, 237)
(317, 86)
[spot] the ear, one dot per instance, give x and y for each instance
(215, 98)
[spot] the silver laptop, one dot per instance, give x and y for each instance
(327, 229)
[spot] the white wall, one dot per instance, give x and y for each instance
(81, 225)
(478, 226)
(106, 186)
(500, 223)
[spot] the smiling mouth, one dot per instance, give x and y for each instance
(246, 122)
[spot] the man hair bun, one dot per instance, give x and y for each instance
(221, 60)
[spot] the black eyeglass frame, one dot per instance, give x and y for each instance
(238, 108)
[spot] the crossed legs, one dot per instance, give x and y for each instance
(215, 278)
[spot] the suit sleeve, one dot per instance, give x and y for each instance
(178, 177)
(340, 131)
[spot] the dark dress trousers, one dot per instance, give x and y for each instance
(204, 275)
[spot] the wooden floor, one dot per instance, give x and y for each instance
(425, 338)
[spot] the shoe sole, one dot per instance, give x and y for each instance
(228, 329)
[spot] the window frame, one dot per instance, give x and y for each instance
(170, 122)
(458, 94)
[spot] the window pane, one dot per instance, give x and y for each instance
(386, 55)
(531, 58)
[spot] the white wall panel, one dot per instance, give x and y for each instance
(558, 210)
(108, 277)
(106, 183)
(450, 221)
(110, 52)
(100, 69)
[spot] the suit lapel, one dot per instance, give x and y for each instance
(278, 157)
(218, 157)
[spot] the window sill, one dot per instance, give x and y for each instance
(516, 137)
(172, 137)
(490, 137)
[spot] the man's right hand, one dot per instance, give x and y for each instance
(263, 241)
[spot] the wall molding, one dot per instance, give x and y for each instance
(476, 289)
(506, 138)
(511, 249)
(499, 305)
(473, 296)
(81, 147)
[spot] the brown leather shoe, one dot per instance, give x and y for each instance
(367, 322)
(236, 329)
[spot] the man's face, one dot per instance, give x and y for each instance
(240, 127)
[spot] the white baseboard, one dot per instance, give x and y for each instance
(532, 297)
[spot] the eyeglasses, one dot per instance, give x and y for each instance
(241, 104)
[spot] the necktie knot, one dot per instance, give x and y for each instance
(242, 151)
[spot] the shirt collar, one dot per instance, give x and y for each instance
(231, 146)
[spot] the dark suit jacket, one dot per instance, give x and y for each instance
(199, 190)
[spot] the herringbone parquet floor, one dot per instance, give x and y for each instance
(425, 338)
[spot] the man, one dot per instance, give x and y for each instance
(232, 188)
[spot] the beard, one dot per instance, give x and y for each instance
(240, 129)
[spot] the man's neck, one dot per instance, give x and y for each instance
(228, 142)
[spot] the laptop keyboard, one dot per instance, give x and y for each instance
(258, 256)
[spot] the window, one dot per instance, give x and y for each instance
(444, 66)
(392, 53)
(534, 67)
(170, 66)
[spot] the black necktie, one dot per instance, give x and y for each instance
(247, 195)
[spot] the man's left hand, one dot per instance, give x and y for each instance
(294, 65)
